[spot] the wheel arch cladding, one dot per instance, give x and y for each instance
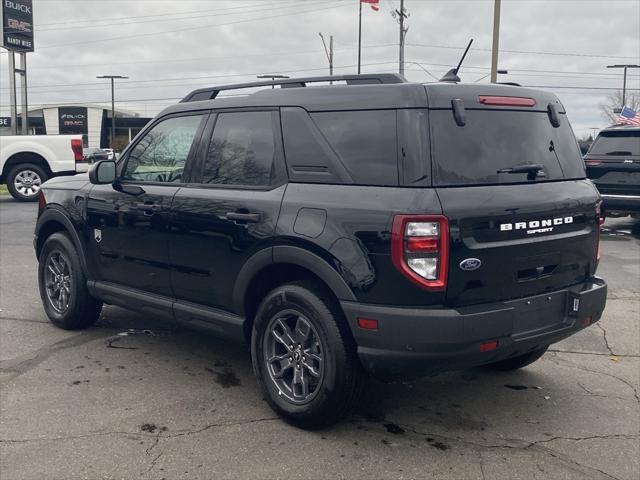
(52, 221)
(25, 158)
(283, 264)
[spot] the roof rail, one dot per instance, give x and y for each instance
(210, 93)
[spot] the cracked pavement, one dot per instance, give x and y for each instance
(170, 403)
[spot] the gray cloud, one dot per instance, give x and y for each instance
(274, 36)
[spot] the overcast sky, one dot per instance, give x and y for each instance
(169, 47)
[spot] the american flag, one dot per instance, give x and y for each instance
(372, 3)
(629, 117)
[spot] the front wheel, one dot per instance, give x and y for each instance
(303, 356)
(24, 181)
(520, 361)
(63, 286)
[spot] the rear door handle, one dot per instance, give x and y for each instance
(149, 208)
(243, 217)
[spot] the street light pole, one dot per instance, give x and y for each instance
(624, 79)
(273, 78)
(113, 105)
(328, 52)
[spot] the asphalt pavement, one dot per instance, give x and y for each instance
(134, 397)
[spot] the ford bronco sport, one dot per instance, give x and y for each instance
(370, 225)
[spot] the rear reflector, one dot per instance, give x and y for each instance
(367, 323)
(488, 346)
(585, 322)
(507, 101)
(422, 244)
(76, 146)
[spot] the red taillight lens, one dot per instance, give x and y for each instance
(420, 249)
(507, 101)
(76, 146)
(592, 163)
(600, 220)
(42, 202)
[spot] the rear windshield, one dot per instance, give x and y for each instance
(617, 143)
(493, 140)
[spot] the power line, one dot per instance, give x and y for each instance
(531, 52)
(199, 27)
(173, 14)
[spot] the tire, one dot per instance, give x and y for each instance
(69, 306)
(305, 307)
(520, 361)
(24, 181)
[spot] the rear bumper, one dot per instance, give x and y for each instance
(622, 203)
(415, 342)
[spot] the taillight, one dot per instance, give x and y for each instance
(592, 163)
(76, 146)
(600, 221)
(42, 202)
(420, 249)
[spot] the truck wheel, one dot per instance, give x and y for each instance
(521, 361)
(63, 286)
(304, 357)
(24, 181)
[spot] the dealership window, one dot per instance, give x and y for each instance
(161, 154)
(241, 150)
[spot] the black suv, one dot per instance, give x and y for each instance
(613, 163)
(369, 225)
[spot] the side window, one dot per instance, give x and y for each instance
(365, 141)
(242, 150)
(161, 154)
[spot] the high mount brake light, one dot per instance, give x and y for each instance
(76, 146)
(420, 249)
(507, 101)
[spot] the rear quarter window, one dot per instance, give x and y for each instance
(493, 140)
(365, 141)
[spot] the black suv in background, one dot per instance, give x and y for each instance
(367, 226)
(613, 163)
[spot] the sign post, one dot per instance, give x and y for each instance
(16, 35)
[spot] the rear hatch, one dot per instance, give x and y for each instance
(533, 229)
(613, 161)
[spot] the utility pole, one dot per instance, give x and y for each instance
(403, 32)
(359, 34)
(496, 41)
(624, 80)
(113, 106)
(12, 92)
(328, 52)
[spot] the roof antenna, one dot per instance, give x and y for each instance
(452, 75)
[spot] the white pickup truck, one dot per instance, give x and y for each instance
(27, 161)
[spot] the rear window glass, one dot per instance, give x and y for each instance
(365, 141)
(617, 143)
(493, 140)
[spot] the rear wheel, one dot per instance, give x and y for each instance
(24, 181)
(520, 361)
(303, 356)
(63, 286)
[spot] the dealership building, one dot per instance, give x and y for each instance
(92, 122)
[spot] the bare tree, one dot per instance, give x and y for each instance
(614, 100)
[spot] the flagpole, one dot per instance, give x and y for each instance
(359, 34)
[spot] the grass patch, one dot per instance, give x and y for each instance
(3, 189)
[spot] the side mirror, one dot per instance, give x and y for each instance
(103, 172)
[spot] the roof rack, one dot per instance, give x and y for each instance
(210, 93)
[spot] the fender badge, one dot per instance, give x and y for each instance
(97, 235)
(470, 264)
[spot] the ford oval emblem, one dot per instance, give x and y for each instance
(470, 264)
